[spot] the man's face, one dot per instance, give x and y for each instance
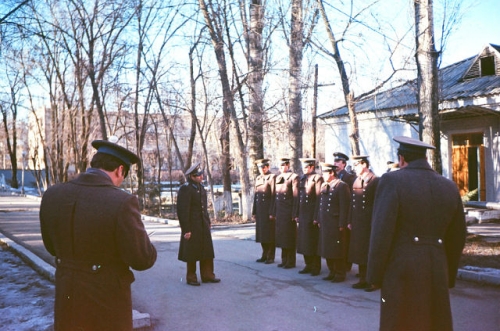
(328, 176)
(197, 178)
(340, 164)
(360, 167)
(308, 169)
(284, 167)
(264, 169)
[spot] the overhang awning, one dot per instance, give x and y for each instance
(466, 112)
(450, 114)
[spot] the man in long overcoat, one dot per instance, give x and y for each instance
(262, 211)
(418, 233)
(308, 231)
(95, 231)
(332, 221)
(360, 217)
(196, 237)
(285, 212)
(340, 161)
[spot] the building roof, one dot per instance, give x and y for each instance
(461, 80)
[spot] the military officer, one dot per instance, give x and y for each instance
(308, 231)
(196, 238)
(263, 204)
(96, 233)
(418, 233)
(360, 216)
(333, 211)
(340, 161)
(285, 212)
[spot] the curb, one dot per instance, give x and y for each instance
(140, 320)
(488, 276)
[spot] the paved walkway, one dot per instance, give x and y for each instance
(252, 296)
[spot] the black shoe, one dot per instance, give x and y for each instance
(213, 280)
(360, 285)
(305, 271)
(262, 259)
(315, 272)
(195, 283)
(289, 266)
(371, 288)
(281, 265)
(338, 279)
(329, 277)
(269, 262)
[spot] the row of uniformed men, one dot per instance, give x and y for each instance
(319, 216)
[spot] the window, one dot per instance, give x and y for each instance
(488, 66)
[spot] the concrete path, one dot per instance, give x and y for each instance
(251, 296)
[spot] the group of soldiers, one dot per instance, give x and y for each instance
(319, 216)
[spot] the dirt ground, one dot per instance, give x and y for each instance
(481, 252)
(26, 299)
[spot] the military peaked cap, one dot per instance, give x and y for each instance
(327, 167)
(262, 162)
(108, 147)
(340, 156)
(284, 160)
(407, 144)
(194, 170)
(308, 161)
(359, 158)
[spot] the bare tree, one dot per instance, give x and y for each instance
(427, 80)
(216, 35)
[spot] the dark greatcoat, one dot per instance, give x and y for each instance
(360, 217)
(193, 217)
(418, 233)
(308, 232)
(263, 205)
(95, 231)
(347, 178)
(333, 212)
(285, 209)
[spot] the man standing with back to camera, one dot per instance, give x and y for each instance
(95, 231)
(196, 237)
(418, 233)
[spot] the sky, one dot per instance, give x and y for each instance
(480, 26)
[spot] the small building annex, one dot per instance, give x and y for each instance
(470, 124)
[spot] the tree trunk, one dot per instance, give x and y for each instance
(295, 83)
(348, 95)
(255, 78)
(427, 71)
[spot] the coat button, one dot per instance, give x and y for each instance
(415, 239)
(94, 267)
(440, 241)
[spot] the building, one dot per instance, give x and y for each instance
(470, 123)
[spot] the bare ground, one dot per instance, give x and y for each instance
(481, 252)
